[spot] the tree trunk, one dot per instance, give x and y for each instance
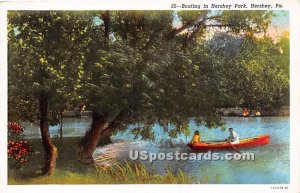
(89, 142)
(50, 148)
(106, 20)
(99, 134)
(106, 133)
(61, 128)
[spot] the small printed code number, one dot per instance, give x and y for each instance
(279, 187)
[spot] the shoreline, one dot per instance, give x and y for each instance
(283, 111)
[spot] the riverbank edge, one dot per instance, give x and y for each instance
(283, 111)
(70, 171)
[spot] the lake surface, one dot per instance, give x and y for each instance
(271, 164)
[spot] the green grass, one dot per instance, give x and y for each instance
(70, 171)
(119, 174)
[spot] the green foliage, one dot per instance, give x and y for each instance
(144, 131)
(45, 54)
(256, 78)
(247, 21)
(138, 65)
(283, 58)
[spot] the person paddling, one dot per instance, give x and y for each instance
(234, 137)
(196, 137)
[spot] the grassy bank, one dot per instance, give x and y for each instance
(121, 174)
(70, 171)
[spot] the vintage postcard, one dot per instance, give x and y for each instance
(150, 96)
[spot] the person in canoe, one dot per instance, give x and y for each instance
(196, 137)
(234, 137)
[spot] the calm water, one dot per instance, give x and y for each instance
(271, 164)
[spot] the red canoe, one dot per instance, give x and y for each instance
(244, 143)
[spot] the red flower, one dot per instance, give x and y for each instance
(15, 128)
(19, 150)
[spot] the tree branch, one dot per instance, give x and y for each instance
(174, 32)
(113, 124)
(199, 21)
(219, 25)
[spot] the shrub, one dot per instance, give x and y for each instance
(18, 149)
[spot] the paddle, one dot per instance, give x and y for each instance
(238, 151)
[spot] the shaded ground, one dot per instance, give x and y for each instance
(67, 160)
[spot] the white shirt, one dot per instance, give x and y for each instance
(234, 136)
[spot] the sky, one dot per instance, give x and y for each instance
(279, 24)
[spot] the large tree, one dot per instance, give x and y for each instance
(45, 59)
(155, 67)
